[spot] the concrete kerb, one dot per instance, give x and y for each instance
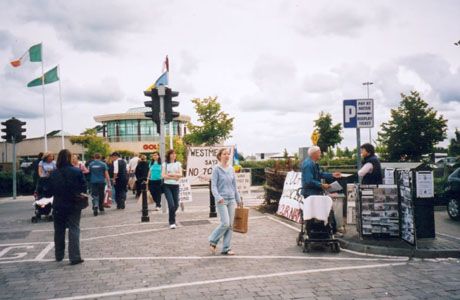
(387, 251)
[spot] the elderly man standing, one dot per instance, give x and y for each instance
(312, 175)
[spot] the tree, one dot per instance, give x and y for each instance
(180, 148)
(413, 130)
(92, 143)
(329, 134)
(454, 146)
(215, 127)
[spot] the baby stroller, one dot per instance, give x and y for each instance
(316, 228)
(43, 202)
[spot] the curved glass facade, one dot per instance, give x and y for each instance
(136, 130)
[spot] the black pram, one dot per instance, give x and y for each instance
(316, 223)
(43, 201)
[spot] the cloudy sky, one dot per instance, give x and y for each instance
(275, 65)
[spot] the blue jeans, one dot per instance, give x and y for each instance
(172, 196)
(98, 194)
(71, 219)
(225, 229)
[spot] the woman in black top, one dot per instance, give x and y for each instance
(66, 182)
(142, 170)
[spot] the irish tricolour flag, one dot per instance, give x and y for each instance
(34, 53)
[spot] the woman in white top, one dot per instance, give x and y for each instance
(45, 167)
(172, 172)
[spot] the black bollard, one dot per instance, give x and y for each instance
(145, 207)
(212, 203)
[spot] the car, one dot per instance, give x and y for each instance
(447, 162)
(453, 195)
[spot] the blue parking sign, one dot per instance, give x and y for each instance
(349, 113)
(358, 113)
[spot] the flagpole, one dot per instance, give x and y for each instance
(44, 105)
(60, 107)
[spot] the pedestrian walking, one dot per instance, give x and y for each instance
(223, 188)
(120, 178)
(45, 167)
(80, 165)
(99, 175)
(371, 171)
(141, 172)
(155, 179)
(35, 164)
(172, 172)
(132, 164)
(109, 162)
(65, 184)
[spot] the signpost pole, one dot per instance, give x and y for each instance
(14, 167)
(161, 94)
(358, 144)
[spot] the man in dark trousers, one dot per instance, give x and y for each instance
(99, 175)
(371, 171)
(120, 176)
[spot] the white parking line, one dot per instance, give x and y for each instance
(45, 251)
(449, 236)
(229, 279)
(237, 257)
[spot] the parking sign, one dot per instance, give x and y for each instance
(358, 113)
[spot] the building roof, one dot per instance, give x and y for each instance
(133, 114)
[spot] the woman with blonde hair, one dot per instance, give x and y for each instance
(223, 188)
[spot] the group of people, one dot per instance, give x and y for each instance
(66, 178)
(316, 182)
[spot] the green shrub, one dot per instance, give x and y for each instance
(24, 184)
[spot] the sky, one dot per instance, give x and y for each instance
(274, 65)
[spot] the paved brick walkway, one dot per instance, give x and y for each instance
(126, 259)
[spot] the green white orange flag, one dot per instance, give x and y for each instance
(49, 77)
(34, 53)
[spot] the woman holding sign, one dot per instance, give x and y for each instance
(223, 187)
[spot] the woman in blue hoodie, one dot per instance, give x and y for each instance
(223, 187)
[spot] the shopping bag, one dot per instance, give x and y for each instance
(108, 198)
(132, 183)
(240, 223)
(149, 199)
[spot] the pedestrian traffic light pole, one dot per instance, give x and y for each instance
(14, 168)
(161, 94)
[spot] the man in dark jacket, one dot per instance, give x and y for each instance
(120, 177)
(35, 168)
(65, 183)
(371, 171)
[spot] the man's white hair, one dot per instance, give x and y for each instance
(313, 149)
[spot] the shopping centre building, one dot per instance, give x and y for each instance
(134, 132)
(130, 131)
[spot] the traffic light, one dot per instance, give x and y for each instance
(154, 104)
(13, 129)
(170, 104)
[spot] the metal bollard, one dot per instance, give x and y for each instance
(145, 208)
(212, 203)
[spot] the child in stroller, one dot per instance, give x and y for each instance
(316, 223)
(43, 202)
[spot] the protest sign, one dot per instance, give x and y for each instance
(200, 161)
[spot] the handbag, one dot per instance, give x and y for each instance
(82, 200)
(240, 223)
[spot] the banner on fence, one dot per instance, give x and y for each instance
(243, 183)
(200, 161)
(185, 190)
(289, 206)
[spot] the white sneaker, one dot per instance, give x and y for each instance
(173, 226)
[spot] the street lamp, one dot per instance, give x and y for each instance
(367, 84)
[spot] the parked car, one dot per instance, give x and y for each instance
(453, 195)
(447, 162)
